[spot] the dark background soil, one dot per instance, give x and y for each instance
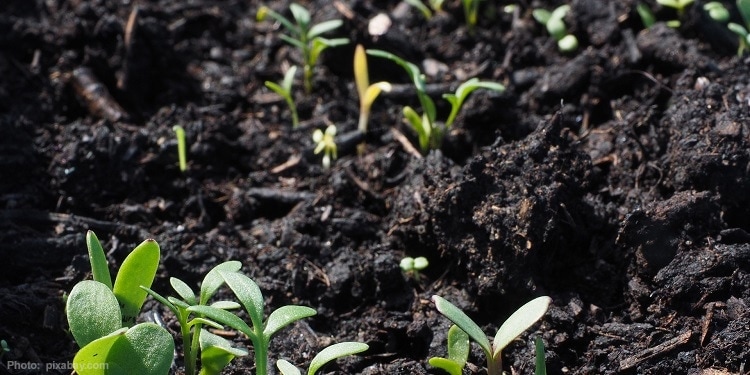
(615, 179)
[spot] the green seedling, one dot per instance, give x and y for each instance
(179, 133)
(540, 367)
(436, 5)
(215, 351)
(517, 323)
(326, 143)
(717, 11)
(325, 356)
(680, 6)
(429, 131)
(471, 12)
(412, 266)
(553, 21)
(742, 31)
(647, 16)
(259, 332)
(367, 92)
(305, 36)
(4, 348)
(458, 352)
(101, 316)
(284, 89)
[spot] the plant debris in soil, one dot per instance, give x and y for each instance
(615, 179)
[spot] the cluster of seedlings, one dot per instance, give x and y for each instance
(102, 316)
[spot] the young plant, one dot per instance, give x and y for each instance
(553, 21)
(259, 331)
(367, 92)
(458, 352)
(429, 131)
(285, 91)
(305, 36)
(740, 30)
(101, 316)
(517, 323)
(179, 133)
(647, 16)
(412, 266)
(680, 6)
(717, 11)
(471, 12)
(326, 143)
(540, 367)
(326, 355)
(436, 5)
(4, 348)
(215, 351)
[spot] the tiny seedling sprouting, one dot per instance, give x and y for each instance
(325, 356)
(284, 89)
(647, 16)
(412, 266)
(517, 323)
(101, 316)
(471, 13)
(326, 143)
(742, 31)
(680, 6)
(458, 352)
(553, 21)
(436, 5)
(305, 36)
(462, 92)
(216, 352)
(179, 133)
(540, 363)
(4, 348)
(367, 92)
(717, 11)
(259, 331)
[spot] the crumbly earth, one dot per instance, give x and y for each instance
(615, 179)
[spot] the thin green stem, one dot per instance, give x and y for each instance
(189, 356)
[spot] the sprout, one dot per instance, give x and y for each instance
(458, 352)
(553, 21)
(412, 266)
(517, 323)
(285, 91)
(179, 133)
(325, 356)
(740, 30)
(367, 92)
(326, 142)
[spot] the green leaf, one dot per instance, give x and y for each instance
(744, 8)
(540, 362)
(287, 85)
(183, 290)
(226, 305)
(458, 345)
(647, 16)
(279, 90)
(541, 15)
(247, 291)
(447, 365)
(462, 92)
(737, 29)
(138, 268)
(560, 12)
(204, 321)
(224, 317)
(99, 266)
(568, 43)
(287, 368)
(463, 321)
(323, 28)
(301, 15)
(179, 132)
(334, 352)
(421, 7)
(216, 353)
(519, 321)
(213, 280)
(415, 121)
(284, 316)
(93, 311)
(265, 11)
(143, 349)
(294, 42)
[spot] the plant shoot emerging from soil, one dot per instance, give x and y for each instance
(179, 133)
(326, 143)
(216, 352)
(553, 21)
(325, 356)
(458, 352)
(540, 363)
(305, 36)
(680, 6)
(742, 30)
(259, 331)
(517, 323)
(284, 89)
(367, 92)
(412, 266)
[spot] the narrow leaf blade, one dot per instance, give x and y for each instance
(99, 266)
(334, 352)
(138, 268)
(248, 292)
(463, 321)
(213, 280)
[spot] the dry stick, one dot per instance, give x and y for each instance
(664, 347)
(408, 147)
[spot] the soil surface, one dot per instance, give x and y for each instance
(615, 179)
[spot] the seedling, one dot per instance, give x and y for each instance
(4, 348)
(553, 21)
(717, 11)
(367, 92)
(740, 30)
(471, 11)
(436, 5)
(540, 367)
(680, 6)
(326, 143)
(429, 132)
(306, 37)
(259, 332)
(284, 89)
(325, 356)
(101, 316)
(647, 16)
(517, 323)
(458, 352)
(216, 352)
(179, 133)
(412, 266)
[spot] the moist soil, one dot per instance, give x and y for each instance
(615, 179)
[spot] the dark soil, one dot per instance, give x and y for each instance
(615, 179)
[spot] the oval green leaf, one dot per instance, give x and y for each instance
(518, 322)
(98, 260)
(334, 352)
(93, 312)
